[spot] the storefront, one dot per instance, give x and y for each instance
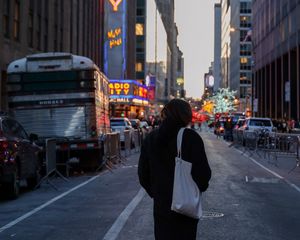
(128, 98)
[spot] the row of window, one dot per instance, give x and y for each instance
(16, 19)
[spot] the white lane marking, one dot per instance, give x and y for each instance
(116, 228)
(246, 177)
(274, 173)
(292, 185)
(12, 223)
(262, 166)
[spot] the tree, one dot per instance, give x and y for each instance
(223, 100)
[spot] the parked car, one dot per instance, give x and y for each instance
(119, 124)
(219, 128)
(239, 123)
(256, 123)
(144, 124)
(19, 157)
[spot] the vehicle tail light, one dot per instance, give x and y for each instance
(3, 145)
(4, 151)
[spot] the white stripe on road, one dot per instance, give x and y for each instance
(9, 225)
(116, 228)
(274, 173)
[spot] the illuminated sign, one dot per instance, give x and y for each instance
(119, 88)
(115, 38)
(128, 89)
(115, 4)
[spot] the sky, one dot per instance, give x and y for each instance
(195, 21)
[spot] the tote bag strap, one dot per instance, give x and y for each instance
(179, 141)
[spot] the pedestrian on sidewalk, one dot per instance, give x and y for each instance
(156, 170)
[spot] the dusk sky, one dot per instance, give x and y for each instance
(195, 21)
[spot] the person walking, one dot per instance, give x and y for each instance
(156, 170)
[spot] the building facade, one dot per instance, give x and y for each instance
(217, 47)
(166, 9)
(125, 55)
(276, 42)
(46, 26)
(236, 49)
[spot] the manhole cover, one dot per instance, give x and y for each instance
(212, 215)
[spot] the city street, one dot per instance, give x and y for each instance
(248, 198)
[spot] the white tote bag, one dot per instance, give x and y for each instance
(186, 194)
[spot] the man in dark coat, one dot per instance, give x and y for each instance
(156, 170)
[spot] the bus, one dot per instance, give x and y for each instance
(62, 96)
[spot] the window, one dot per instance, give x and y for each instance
(138, 67)
(38, 32)
(6, 9)
(245, 7)
(245, 77)
(244, 60)
(16, 27)
(30, 24)
(245, 49)
(245, 22)
(140, 12)
(139, 29)
(14, 129)
(46, 35)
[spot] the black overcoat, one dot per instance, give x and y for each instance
(156, 175)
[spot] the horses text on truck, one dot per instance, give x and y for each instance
(62, 96)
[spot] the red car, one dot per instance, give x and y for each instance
(19, 158)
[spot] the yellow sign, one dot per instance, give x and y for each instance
(115, 4)
(114, 37)
(119, 88)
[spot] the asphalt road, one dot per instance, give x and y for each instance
(244, 201)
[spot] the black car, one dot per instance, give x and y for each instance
(19, 157)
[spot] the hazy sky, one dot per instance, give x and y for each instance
(195, 21)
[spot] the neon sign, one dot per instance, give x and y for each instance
(119, 88)
(115, 4)
(128, 89)
(114, 37)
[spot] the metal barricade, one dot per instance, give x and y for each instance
(285, 145)
(127, 141)
(50, 151)
(137, 140)
(112, 147)
(235, 139)
(250, 138)
(240, 137)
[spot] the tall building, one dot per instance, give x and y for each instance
(124, 56)
(236, 49)
(140, 33)
(33, 26)
(217, 47)
(161, 74)
(166, 9)
(180, 92)
(276, 48)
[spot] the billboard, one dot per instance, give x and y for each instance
(128, 91)
(151, 84)
(115, 30)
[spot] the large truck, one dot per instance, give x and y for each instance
(65, 97)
